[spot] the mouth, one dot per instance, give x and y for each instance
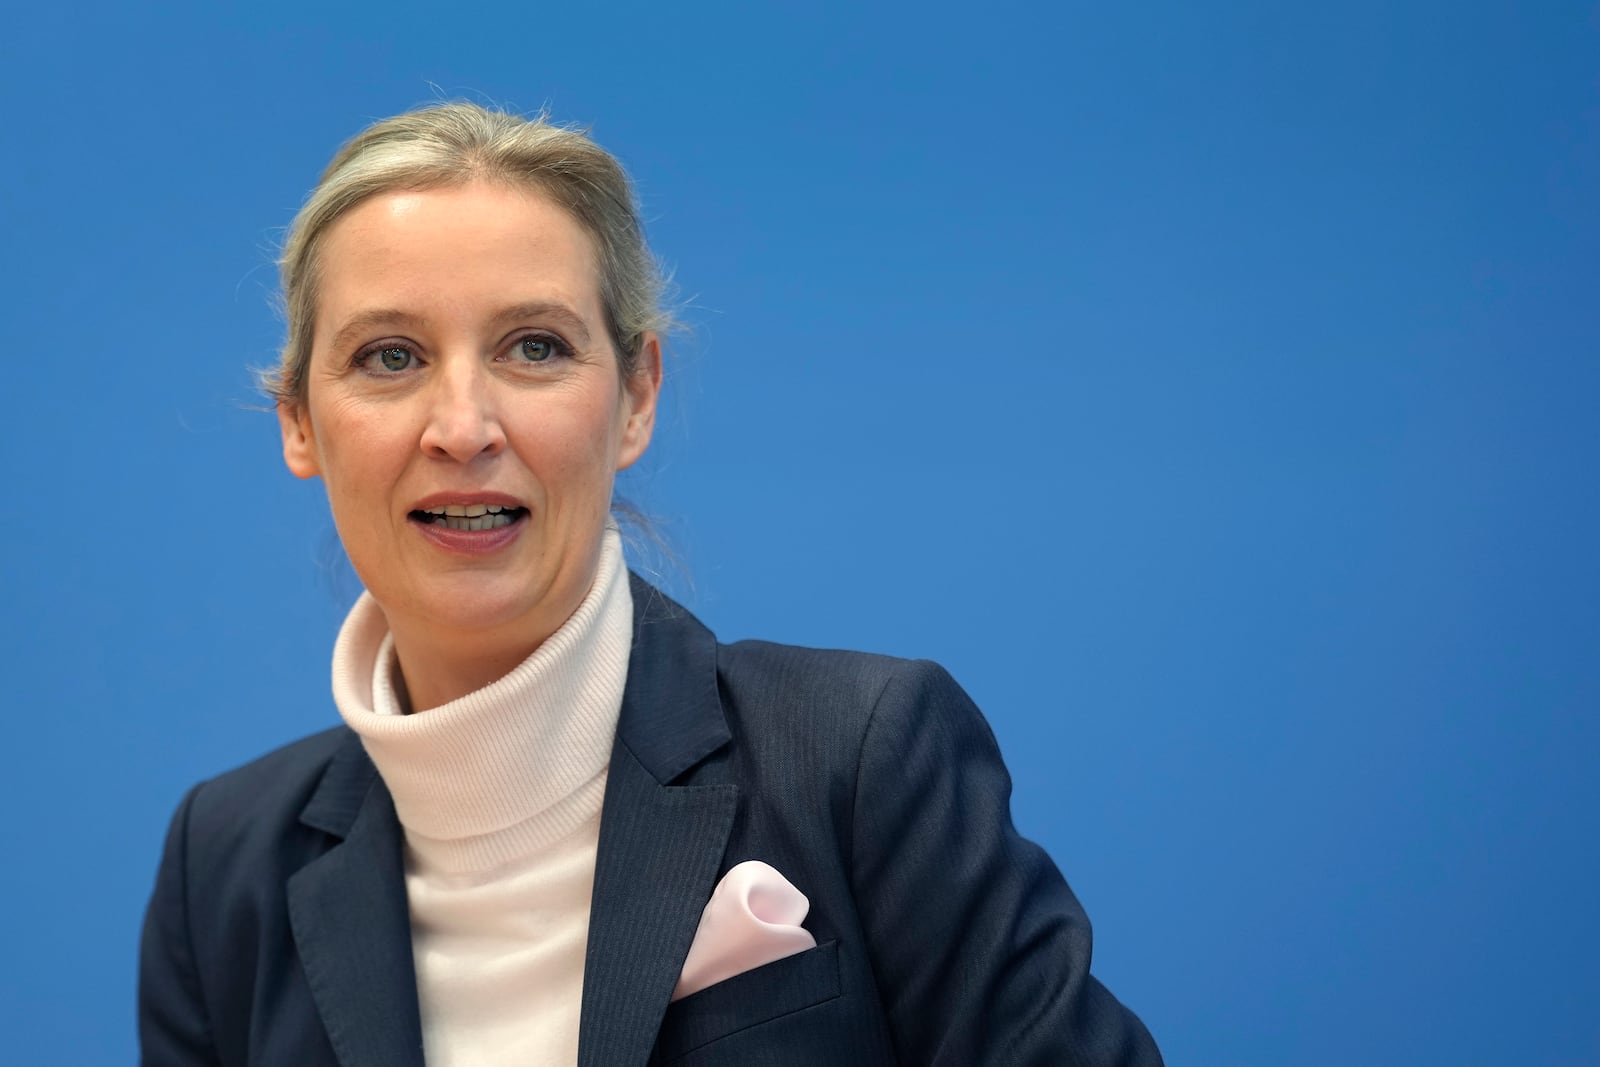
(469, 516)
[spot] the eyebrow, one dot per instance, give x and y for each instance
(365, 321)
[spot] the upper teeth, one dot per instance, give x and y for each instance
(466, 511)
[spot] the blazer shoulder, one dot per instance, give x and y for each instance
(265, 795)
(815, 673)
(822, 693)
(821, 672)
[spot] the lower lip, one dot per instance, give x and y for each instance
(471, 542)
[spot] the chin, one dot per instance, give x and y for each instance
(484, 611)
(503, 603)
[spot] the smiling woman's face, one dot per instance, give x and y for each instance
(464, 408)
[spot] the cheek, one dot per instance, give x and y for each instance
(358, 435)
(572, 450)
(360, 458)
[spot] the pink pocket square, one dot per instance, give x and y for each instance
(753, 918)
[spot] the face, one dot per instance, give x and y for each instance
(465, 408)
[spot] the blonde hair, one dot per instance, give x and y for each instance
(452, 144)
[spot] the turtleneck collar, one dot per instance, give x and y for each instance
(512, 766)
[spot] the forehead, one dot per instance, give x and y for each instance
(455, 250)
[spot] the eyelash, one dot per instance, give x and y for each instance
(559, 349)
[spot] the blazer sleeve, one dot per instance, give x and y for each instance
(173, 1027)
(980, 950)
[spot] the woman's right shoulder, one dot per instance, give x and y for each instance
(262, 799)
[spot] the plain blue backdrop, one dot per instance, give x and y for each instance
(1213, 389)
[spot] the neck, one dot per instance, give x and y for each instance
(441, 664)
(504, 750)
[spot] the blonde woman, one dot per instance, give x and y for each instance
(560, 822)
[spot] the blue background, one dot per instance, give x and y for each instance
(1214, 392)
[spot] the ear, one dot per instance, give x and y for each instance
(299, 444)
(640, 393)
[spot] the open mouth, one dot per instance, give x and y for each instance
(470, 516)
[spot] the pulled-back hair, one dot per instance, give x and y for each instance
(452, 144)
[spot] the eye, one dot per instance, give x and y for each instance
(535, 349)
(394, 358)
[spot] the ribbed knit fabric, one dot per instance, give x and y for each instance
(499, 794)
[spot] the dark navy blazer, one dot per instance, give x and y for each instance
(278, 932)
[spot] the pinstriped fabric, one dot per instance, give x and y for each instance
(658, 861)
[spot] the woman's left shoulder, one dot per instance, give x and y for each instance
(831, 692)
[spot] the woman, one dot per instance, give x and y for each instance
(561, 823)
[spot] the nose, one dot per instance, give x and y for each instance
(462, 420)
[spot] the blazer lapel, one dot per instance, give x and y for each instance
(661, 845)
(351, 922)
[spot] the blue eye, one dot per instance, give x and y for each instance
(536, 349)
(394, 358)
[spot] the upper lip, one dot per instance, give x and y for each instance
(463, 497)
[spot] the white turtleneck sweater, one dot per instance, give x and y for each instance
(499, 795)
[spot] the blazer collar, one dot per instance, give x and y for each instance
(671, 717)
(348, 911)
(661, 845)
(660, 849)
(346, 785)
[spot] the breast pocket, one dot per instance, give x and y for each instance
(767, 993)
